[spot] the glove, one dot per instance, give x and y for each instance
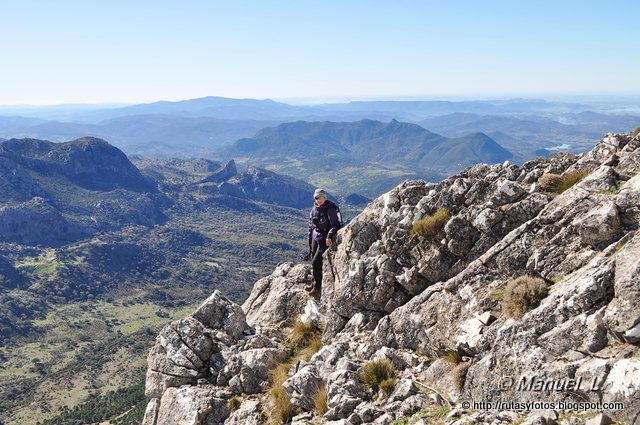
(307, 257)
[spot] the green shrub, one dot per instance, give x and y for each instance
(521, 295)
(430, 225)
(379, 374)
(635, 132)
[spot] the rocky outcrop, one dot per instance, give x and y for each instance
(262, 185)
(223, 174)
(435, 306)
(15, 182)
(256, 184)
(88, 162)
(277, 299)
(55, 193)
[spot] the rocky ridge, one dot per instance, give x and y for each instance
(430, 306)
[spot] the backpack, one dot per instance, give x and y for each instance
(326, 216)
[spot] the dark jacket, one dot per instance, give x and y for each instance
(323, 221)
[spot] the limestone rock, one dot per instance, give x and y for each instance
(249, 413)
(302, 386)
(191, 406)
(217, 312)
(277, 299)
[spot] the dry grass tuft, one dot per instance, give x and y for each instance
(305, 340)
(459, 374)
(314, 345)
(302, 333)
(571, 178)
(387, 386)
(379, 374)
(429, 226)
(320, 400)
(234, 404)
(556, 184)
(550, 182)
(451, 356)
(521, 295)
(283, 409)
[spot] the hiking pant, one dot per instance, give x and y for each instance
(318, 247)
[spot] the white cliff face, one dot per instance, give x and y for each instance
(390, 294)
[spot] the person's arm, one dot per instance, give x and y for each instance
(332, 214)
(310, 235)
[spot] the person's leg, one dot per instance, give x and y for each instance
(317, 248)
(314, 251)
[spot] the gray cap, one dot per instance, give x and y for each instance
(319, 193)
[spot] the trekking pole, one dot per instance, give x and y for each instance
(334, 273)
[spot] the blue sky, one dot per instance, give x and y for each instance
(137, 51)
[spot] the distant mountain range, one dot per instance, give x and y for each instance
(343, 152)
(252, 109)
(199, 127)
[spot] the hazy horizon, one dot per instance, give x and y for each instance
(315, 101)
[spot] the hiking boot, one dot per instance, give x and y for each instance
(310, 287)
(315, 292)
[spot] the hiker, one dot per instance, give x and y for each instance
(324, 223)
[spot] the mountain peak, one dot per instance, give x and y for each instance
(88, 162)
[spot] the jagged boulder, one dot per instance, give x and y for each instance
(192, 348)
(192, 405)
(278, 299)
(302, 385)
(249, 413)
(381, 265)
(247, 371)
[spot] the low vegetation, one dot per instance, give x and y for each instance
(320, 400)
(379, 374)
(635, 132)
(521, 295)
(434, 415)
(304, 340)
(234, 404)
(556, 183)
(283, 410)
(459, 374)
(128, 402)
(302, 333)
(430, 225)
(451, 356)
